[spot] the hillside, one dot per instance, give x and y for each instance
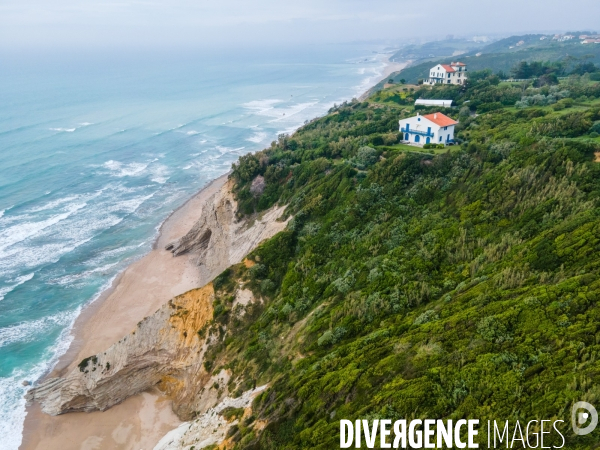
(498, 56)
(413, 285)
(435, 49)
(360, 278)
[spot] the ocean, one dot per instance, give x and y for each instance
(97, 149)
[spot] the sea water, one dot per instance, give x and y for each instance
(97, 149)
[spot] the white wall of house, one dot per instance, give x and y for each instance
(440, 75)
(424, 131)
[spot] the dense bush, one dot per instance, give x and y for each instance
(464, 284)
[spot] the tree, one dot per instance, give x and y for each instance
(583, 68)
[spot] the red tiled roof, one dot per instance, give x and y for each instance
(440, 119)
(448, 68)
(457, 64)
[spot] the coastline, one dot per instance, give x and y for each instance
(390, 67)
(135, 293)
(138, 291)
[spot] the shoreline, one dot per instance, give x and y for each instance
(390, 67)
(89, 310)
(138, 291)
(140, 421)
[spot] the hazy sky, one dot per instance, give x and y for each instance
(134, 23)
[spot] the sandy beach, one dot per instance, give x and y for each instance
(140, 421)
(392, 67)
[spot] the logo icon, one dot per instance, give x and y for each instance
(578, 418)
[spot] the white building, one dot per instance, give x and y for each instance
(430, 102)
(453, 73)
(563, 37)
(435, 128)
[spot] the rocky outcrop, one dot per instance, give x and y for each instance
(209, 428)
(218, 240)
(166, 349)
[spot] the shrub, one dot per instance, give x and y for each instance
(427, 316)
(486, 107)
(493, 330)
(331, 337)
(222, 280)
(365, 157)
(258, 271)
(230, 413)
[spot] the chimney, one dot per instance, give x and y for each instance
(418, 114)
(435, 116)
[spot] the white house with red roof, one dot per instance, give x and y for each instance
(453, 73)
(435, 128)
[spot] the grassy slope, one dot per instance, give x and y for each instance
(435, 49)
(457, 285)
(499, 57)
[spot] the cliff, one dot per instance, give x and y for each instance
(219, 240)
(213, 426)
(166, 349)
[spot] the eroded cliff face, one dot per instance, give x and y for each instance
(211, 427)
(219, 240)
(166, 349)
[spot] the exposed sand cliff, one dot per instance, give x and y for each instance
(165, 350)
(218, 240)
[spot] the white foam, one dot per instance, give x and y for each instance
(54, 203)
(114, 203)
(374, 75)
(120, 170)
(27, 331)
(77, 279)
(261, 107)
(24, 230)
(17, 282)
(86, 124)
(66, 130)
(159, 173)
(267, 108)
(109, 254)
(224, 150)
(3, 211)
(257, 137)
(12, 392)
(192, 133)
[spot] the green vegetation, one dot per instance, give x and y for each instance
(85, 361)
(462, 284)
(230, 413)
(435, 49)
(499, 57)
